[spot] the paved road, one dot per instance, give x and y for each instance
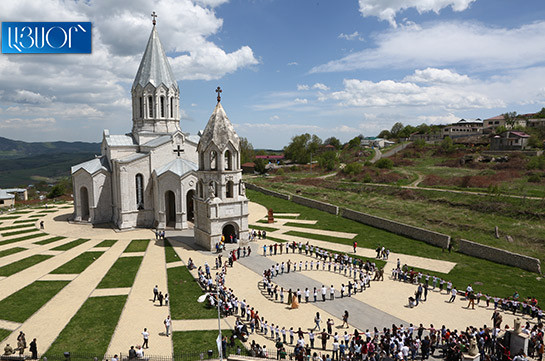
(362, 315)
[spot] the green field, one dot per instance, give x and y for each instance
(49, 240)
(122, 273)
(23, 238)
(190, 344)
(70, 245)
(170, 253)
(106, 243)
(9, 251)
(78, 264)
(138, 245)
(25, 263)
(184, 290)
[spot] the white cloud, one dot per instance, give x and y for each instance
(27, 123)
(387, 10)
(302, 87)
(276, 127)
(29, 97)
(387, 93)
(211, 3)
(450, 44)
(434, 75)
(320, 86)
(354, 36)
(438, 119)
(274, 118)
(301, 101)
(293, 63)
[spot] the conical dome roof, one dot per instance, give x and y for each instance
(219, 130)
(154, 67)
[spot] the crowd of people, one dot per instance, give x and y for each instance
(21, 347)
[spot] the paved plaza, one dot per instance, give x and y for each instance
(382, 305)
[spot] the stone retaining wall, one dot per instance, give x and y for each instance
(322, 206)
(431, 237)
(267, 192)
(500, 256)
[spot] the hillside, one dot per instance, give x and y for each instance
(13, 149)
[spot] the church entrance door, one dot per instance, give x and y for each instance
(170, 209)
(84, 203)
(228, 231)
(189, 205)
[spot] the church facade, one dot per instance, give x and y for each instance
(149, 177)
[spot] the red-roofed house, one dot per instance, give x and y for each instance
(509, 140)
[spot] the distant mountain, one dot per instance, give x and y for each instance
(11, 149)
(23, 163)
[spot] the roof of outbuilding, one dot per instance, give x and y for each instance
(5, 195)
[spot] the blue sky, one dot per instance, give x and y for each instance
(333, 68)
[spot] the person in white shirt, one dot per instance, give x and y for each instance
(167, 325)
(145, 335)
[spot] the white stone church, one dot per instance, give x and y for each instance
(157, 176)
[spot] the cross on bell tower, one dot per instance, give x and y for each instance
(153, 15)
(218, 90)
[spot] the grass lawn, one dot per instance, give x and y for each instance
(170, 253)
(25, 221)
(78, 264)
(70, 245)
(122, 273)
(7, 234)
(49, 240)
(194, 342)
(7, 252)
(319, 237)
(7, 228)
(35, 215)
(52, 211)
(497, 279)
(21, 212)
(24, 238)
(34, 295)
(138, 245)
(262, 228)
(4, 333)
(106, 243)
(5, 218)
(90, 330)
(18, 266)
(183, 292)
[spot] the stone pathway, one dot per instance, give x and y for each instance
(45, 250)
(9, 325)
(103, 292)
(140, 311)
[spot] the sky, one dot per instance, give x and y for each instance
(332, 68)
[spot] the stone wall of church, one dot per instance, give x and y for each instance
(102, 195)
(500, 256)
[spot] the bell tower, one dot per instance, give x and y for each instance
(155, 93)
(220, 202)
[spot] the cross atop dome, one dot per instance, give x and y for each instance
(154, 15)
(218, 90)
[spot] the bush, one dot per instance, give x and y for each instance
(56, 191)
(353, 168)
(536, 163)
(367, 179)
(280, 171)
(384, 163)
(534, 178)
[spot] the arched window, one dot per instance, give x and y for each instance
(162, 106)
(213, 160)
(229, 190)
(141, 106)
(150, 106)
(172, 107)
(139, 191)
(228, 160)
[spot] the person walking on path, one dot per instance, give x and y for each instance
(345, 319)
(453, 295)
(160, 297)
(355, 246)
(167, 325)
(317, 321)
(145, 335)
(155, 292)
(34, 350)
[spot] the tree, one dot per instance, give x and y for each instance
(510, 119)
(447, 145)
(301, 147)
(396, 129)
(385, 134)
(541, 113)
(57, 191)
(260, 166)
(327, 160)
(246, 151)
(354, 142)
(334, 142)
(384, 163)
(407, 131)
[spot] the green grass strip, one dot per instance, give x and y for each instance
(52, 211)
(90, 330)
(49, 240)
(184, 291)
(106, 243)
(262, 228)
(35, 215)
(14, 233)
(5, 218)
(24, 238)
(70, 245)
(170, 253)
(319, 237)
(25, 221)
(7, 228)
(138, 245)
(4, 333)
(190, 344)
(78, 264)
(21, 212)
(7, 252)
(122, 273)
(35, 295)
(18, 266)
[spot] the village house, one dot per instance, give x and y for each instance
(509, 140)
(463, 128)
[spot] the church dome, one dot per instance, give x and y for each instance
(219, 131)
